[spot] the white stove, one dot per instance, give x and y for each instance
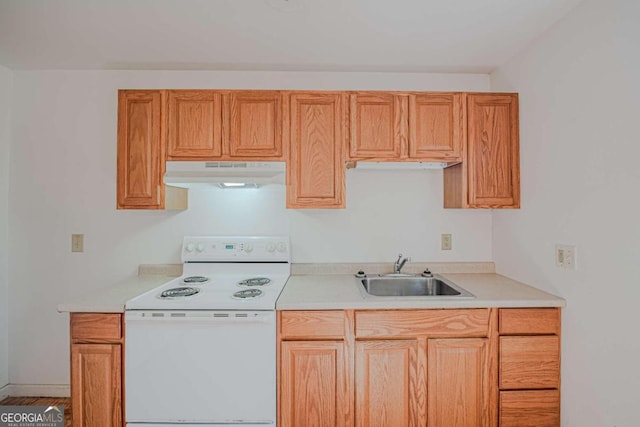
(215, 327)
(218, 272)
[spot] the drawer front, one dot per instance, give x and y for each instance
(415, 323)
(539, 408)
(96, 326)
(523, 321)
(529, 362)
(312, 324)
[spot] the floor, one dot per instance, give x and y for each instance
(43, 401)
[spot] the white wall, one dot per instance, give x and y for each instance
(579, 92)
(63, 179)
(5, 103)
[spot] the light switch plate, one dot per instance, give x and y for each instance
(77, 243)
(446, 242)
(566, 256)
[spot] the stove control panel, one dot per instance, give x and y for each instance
(236, 249)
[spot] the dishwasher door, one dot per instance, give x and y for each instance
(200, 367)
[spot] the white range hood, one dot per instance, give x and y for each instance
(189, 174)
(362, 165)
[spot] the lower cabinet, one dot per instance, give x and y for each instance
(313, 384)
(529, 367)
(436, 368)
(96, 370)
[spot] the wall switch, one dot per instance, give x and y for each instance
(566, 256)
(446, 242)
(77, 243)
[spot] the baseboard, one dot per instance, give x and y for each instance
(4, 391)
(36, 390)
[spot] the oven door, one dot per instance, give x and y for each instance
(200, 367)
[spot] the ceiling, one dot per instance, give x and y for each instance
(320, 35)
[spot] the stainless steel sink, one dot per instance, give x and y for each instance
(412, 286)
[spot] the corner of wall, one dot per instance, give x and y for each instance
(6, 85)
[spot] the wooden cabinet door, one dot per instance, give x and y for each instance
(316, 130)
(530, 408)
(255, 124)
(194, 125)
(390, 383)
(459, 383)
(96, 385)
(314, 384)
(493, 150)
(378, 126)
(436, 126)
(140, 150)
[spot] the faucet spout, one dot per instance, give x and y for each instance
(397, 266)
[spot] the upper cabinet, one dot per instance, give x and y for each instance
(315, 133)
(254, 123)
(224, 125)
(194, 124)
(378, 126)
(315, 129)
(489, 176)
(436, 123)
(406, 127)
(140, 150)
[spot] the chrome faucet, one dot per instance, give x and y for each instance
(397, 266)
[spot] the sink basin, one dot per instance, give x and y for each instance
(412, 286)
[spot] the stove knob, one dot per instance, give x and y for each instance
(200, 247)
(282, 247)
(190, 247)
(248, 247)
(271, 247)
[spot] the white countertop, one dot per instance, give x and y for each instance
(113, 298)
(326, 292)
(307, 290)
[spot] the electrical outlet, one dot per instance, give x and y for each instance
(446, 242)
(77, 243)
(566, 256)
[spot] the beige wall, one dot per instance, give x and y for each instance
(63, 181)
(579, 91)
(5, 100)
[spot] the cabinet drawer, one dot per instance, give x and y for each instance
(538, 408)
(96, 326)
(523, 321)
(312, 324)
(529, 362)
(414, 323)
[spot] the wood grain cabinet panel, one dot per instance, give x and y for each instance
(436, 126)
(194, 125)
(96, 369)
(254, 124)
(413, 323)
(537, 408)
(523, 321)
(459, 382)
(313, 384)
(530, 362)
(96, 385)
(390, 387)
(489, 175)
(493, 150)
(378, 126)
(321, 324)
(316, 132)
(96, 326)
(140, 150)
